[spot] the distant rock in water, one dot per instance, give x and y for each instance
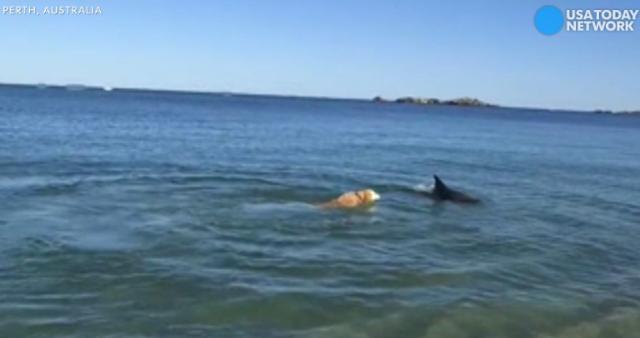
(418, 100)
(468, 101)
(601, 111)
(621, 113)
(463, 101)
(379, 99)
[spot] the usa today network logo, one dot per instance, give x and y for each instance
(550, 20)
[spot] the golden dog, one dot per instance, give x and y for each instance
(353, 199)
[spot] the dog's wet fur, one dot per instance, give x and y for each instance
(353, 199)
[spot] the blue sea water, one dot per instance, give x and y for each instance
(162, 214)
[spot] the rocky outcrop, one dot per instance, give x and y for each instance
(468, 101)
(418, 100)
(464, 101)
(379, 99)
(622, 112)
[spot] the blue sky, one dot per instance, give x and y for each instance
(340, 48)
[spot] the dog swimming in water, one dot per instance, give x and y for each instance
(441, 192)
(352, 200)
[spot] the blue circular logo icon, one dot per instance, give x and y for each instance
(549, 20)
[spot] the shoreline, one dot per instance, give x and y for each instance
(467, 101)
(463, 102)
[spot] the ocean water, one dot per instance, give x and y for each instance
(160, 214)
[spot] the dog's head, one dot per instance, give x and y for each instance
(368, 196)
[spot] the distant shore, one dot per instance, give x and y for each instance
(474, 102)
(463, 101)
(458, 102)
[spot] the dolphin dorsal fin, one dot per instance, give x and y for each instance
(439, 188)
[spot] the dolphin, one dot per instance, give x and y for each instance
(440, 192)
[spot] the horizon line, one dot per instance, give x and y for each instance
(315, 97)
